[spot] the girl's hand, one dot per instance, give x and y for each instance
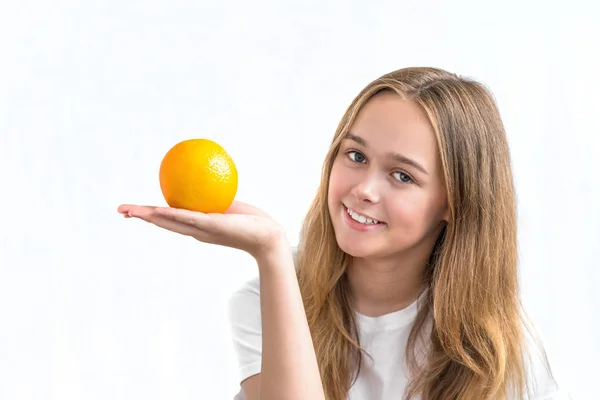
(242, 226)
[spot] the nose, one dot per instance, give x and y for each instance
(366, 190)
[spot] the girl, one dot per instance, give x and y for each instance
(405, 283)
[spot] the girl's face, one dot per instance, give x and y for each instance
(386, 194)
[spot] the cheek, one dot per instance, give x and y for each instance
(405, 211)
(332, 190)
(414, 213)
(337, 184)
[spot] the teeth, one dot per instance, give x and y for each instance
(361, 218)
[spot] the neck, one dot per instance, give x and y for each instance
(383, 286)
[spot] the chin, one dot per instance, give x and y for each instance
(356, 249)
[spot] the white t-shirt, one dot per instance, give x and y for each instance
(383, 376)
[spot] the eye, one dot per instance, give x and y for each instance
(356, 156)
(402, 177)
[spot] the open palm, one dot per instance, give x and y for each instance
(242, 226)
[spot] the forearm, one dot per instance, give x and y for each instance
(289, 367)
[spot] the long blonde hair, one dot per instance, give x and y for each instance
(476, 340)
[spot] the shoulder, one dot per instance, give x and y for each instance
(244, 304)
(244, 316)
(246, 328)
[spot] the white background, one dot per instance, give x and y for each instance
(92, 94)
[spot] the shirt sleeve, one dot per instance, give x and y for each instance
(246, 328)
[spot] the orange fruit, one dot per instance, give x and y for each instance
(198, 175)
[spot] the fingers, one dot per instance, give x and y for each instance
(173, 226)
(161, 217)
(239, 207)
(204, 227)
(191, 218)
(132, 210)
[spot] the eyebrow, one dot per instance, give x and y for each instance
(394, 156)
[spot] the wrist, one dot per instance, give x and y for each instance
(274, 254)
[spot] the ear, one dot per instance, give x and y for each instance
(446, 214)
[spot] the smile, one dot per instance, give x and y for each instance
(362, 219)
